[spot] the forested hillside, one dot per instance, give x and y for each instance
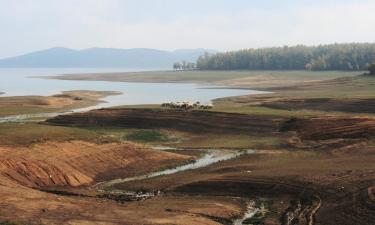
(322, 57)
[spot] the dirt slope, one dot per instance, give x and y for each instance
(23, 170)
(79, 163)
(23, 205)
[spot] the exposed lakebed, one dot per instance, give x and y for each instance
(210, 157)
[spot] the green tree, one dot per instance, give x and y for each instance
(371, 68)
(322, 57)
(190, 66)
(184, 65)
(177, 66)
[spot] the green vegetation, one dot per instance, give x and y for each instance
(24, 134)
(29, 133)
(6, 223)
(136, 135)
(351, 88)
(230, 141)
(371, 68)
(12, 223)
(184, 65)
(261, 110)
(68, 100)
(25, 110)
(323, 57)
(149, 136)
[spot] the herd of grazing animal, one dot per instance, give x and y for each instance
(186, 105)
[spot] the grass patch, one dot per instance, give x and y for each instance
(30, 133)
(150, 106)
(356, 87)
(6, 223)
(231, 141)
(21, 105)
(23, 110)
(372, 142)
(150, 136)
(265, 111)
(11, 223)
(136, 135)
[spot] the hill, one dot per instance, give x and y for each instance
(102, 57)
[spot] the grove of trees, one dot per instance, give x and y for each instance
(371, 68)
(184, 66)
(323, 57)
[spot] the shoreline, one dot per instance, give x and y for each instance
(244, 79)
(298, 169)
(31, 106)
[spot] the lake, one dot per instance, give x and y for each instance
(22, 82)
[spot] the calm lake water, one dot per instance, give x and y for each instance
(20, 82)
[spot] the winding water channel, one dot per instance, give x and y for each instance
(211, 157)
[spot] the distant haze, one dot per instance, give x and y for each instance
(29, 25)
(103, 57)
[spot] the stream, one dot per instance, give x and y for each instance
(211, 157)
(250, 213)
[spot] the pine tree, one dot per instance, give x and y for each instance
(371, 68)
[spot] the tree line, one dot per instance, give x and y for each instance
(184, 65)
(323, 57)
(371, 68)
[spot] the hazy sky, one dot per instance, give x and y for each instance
(29, 25)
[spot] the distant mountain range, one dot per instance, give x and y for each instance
(103, 57)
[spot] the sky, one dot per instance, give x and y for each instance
(30, 25)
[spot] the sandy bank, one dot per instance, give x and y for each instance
(242, 79)
(67, 100)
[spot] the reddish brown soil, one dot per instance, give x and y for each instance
(79, 163)
(330, 172)
(342, 175)
(28, 206)
(340, 181)
(23, 170)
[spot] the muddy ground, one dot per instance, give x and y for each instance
(327, 158)
(314, 163)
(191, 121)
